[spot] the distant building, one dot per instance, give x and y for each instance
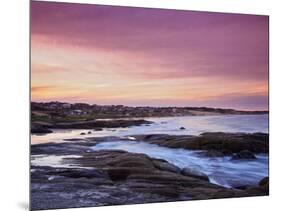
(66, 105)
(53, 106)
(78, 112)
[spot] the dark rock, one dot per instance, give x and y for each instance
(73, 139)
(256, 191)
(194, 173)
(101, 124)
(241, 187)
(87, 173)
(37, 129)
(182, 128)
(227, 143)
(98, 129)
(165, 166)
(65, 148)
(244, 154)
(214, 153)
(82, 133)
(264, 182)
(117, 174)
(89, 132)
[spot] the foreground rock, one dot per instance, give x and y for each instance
(111, 177)
(194, 173)
(264, 182)
(164, 165)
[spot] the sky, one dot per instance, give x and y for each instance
(148, 57)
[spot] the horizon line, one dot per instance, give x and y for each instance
(152, 106)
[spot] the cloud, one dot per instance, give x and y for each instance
(91, 48)
(42, 88)
(46, 69)
(181, 43)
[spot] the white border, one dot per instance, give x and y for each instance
(14, 110)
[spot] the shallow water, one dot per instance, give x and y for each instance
(56, 161)
(194, 125)
(221, 170)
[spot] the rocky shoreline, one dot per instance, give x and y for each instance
(111, 177)
(238, 145)
(43, 127)
(61, 110)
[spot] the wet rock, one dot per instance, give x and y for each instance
(182, 128)
(194, 173)
(73, 139)
(214, 153)
(66, 148)
(165, 166)
(94, 124)
(227, 143)
(241, 187)
(82, 134)
(98, 129)
(87, 173)
(256, 191)
(39, 129)
(244, 154)
(89, 132)
(117, 174)
(264, 182)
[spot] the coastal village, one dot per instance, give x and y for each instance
(78, 110)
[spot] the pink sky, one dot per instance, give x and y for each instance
(136, 56)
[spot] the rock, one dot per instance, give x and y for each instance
(97, 124)
(118, 174)
(264, 182)
(165, 166)
(87, 173)
(82, 133)
(98, 129)
(110, 177)
(244, 154)
(214, 153)
(38, 129)
(182, 128)
(241, 187)
(65, 148)
(227, 143)
(73, 139)
(194, 173)
(89, 132)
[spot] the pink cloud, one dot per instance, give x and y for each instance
(151, 44)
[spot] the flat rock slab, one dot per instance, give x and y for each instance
(215, 143)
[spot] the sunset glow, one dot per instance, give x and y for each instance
(147, 57)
